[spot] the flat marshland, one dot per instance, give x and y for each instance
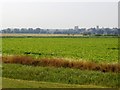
(91, 61)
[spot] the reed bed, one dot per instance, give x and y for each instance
(82, 65)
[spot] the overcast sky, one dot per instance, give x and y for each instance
(59, 14)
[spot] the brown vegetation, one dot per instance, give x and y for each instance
(7, 34)
(27, 60)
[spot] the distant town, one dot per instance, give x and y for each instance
(76, 30)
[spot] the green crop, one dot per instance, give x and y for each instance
(93, 49)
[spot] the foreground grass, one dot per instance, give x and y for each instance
(17, 83)
(60, 75)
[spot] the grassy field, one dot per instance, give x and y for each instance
(60, 75)
(99, 51)
(89, 49)
(18, 83)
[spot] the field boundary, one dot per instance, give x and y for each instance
(82, 65)
(54, 36)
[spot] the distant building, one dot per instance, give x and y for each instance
(76, 27)
(97, 27)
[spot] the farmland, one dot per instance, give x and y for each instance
(8, 83)
(65, 61)
(94, 49)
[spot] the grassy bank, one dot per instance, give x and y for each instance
(18, 83)
(60, 75)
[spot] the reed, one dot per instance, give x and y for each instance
(83, 65)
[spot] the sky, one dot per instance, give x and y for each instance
(52, 15)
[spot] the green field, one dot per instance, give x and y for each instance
(92, 49)
(98, 50)
(60, 75)
(18, 83)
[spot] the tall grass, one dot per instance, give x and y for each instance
(82, 65)
(60, 75)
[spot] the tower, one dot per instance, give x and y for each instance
(97, 27)
(76, 27)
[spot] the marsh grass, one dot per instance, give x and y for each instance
(60, 75)
(82, 65)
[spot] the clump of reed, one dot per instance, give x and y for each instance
(83, 65)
